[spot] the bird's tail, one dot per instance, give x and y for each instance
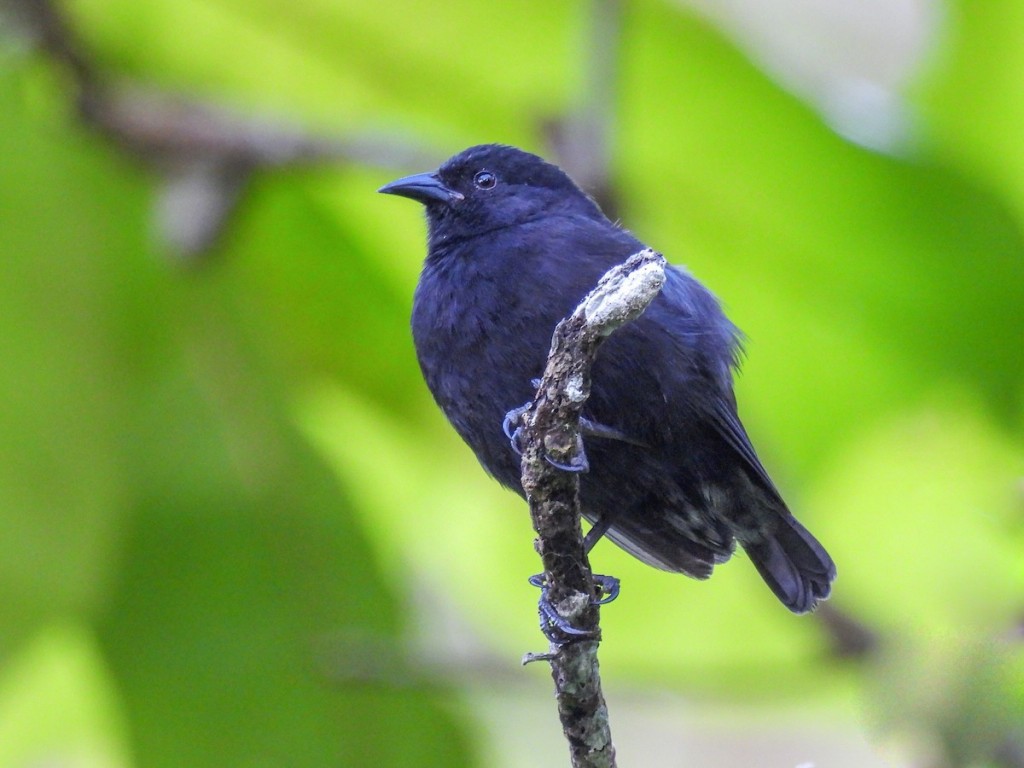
(793, 564)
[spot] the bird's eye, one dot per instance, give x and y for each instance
(485, 180)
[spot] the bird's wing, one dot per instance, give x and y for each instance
(727, 422)
(714, 339)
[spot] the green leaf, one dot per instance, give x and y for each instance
(58, 704)
(155, 487)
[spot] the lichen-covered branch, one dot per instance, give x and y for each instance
(551, 429)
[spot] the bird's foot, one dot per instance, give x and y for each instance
(512, 426)
(609, 588)
(577, 461)
(557, 628)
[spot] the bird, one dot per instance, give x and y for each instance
(513, 245)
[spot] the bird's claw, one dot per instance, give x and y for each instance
(609, 588)
(552, 622)
(510, 424)
(512, 428)
(577, 461)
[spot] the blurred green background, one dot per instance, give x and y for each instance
(234, 529)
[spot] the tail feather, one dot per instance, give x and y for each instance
(794, 565)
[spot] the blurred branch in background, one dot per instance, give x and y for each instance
(582, 140)
(850, 638)
(205, 153)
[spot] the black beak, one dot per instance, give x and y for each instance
(425, 187)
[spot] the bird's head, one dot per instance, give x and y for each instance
(490, 187)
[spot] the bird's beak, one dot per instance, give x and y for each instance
(425, 187)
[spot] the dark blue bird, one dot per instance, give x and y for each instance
(513, 246)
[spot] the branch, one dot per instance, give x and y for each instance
(551, 429)
(205, 153)
(581, 139)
